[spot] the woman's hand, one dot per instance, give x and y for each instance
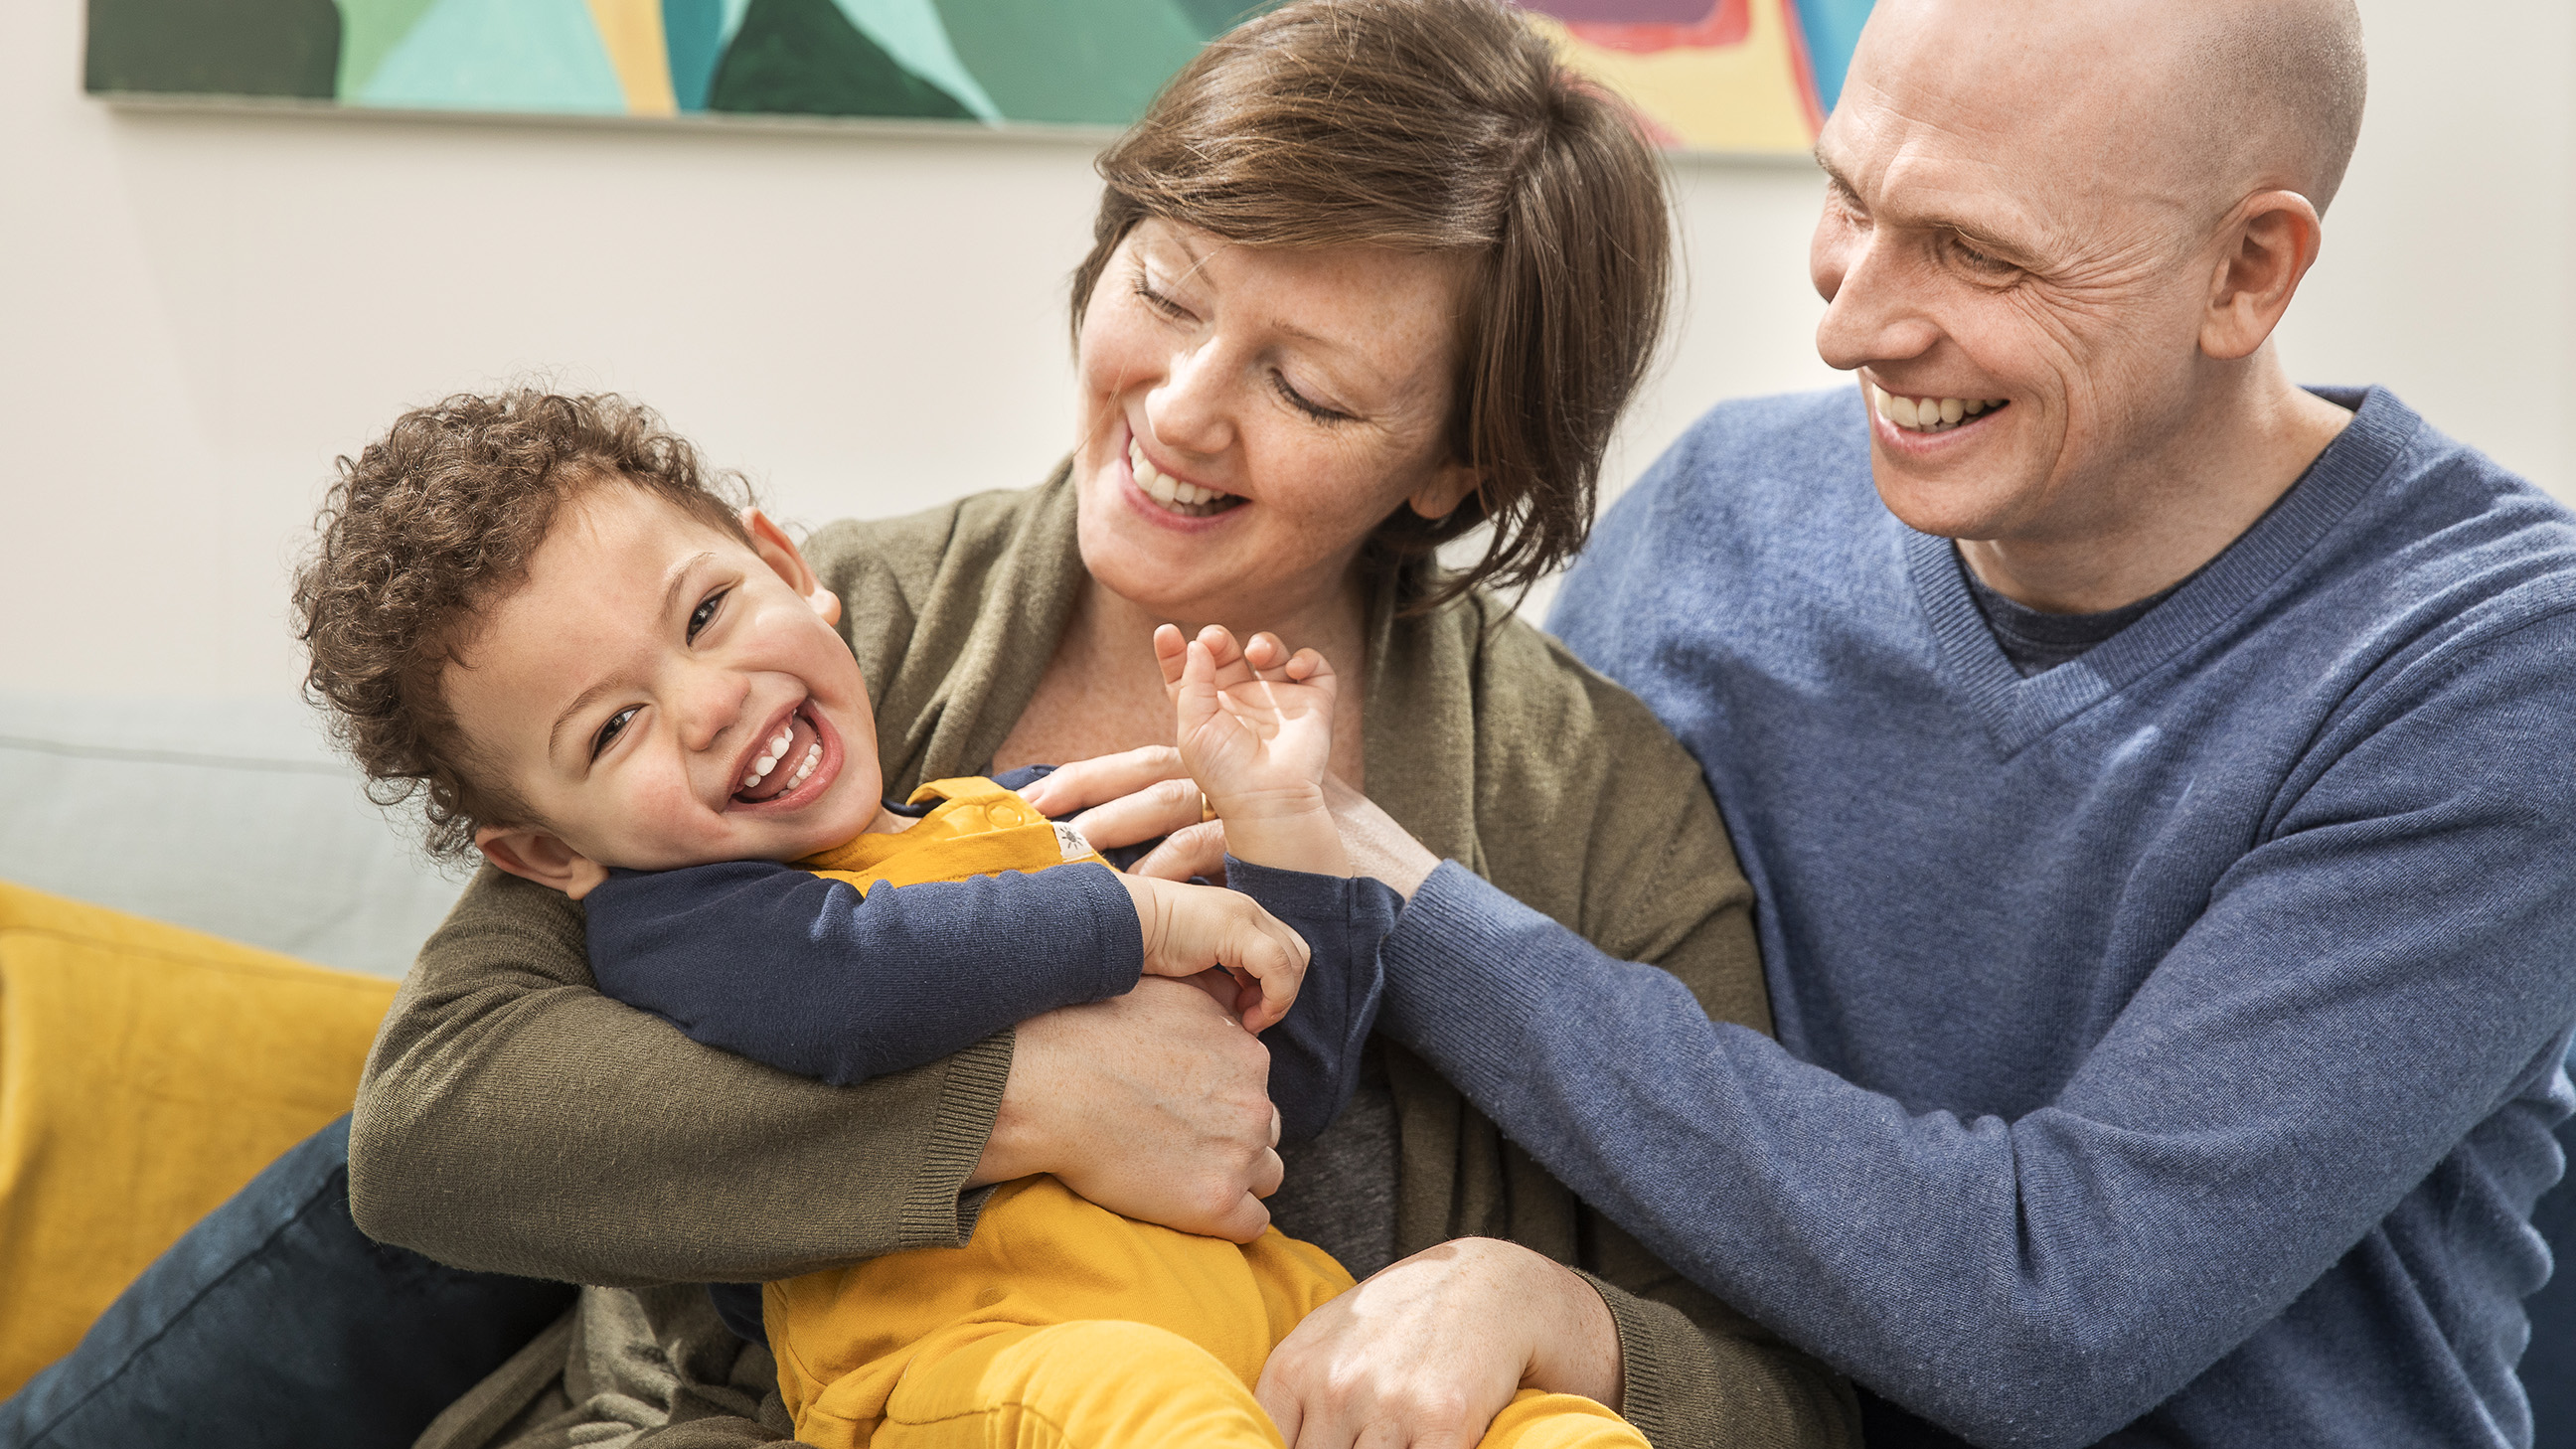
(1135, 796)
(1427, 1351)
(1155, 1105)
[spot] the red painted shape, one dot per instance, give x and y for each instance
(1727, 23)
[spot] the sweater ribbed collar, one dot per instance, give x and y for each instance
(2019, 711)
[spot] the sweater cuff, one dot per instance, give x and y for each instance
(941, 1210)
(1450, 965)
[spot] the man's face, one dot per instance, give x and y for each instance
(2012, 269)
(637, 688)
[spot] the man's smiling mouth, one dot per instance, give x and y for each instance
(1930, 414)
(784, 761)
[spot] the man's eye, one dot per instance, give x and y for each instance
(1981, 261)
(705, 614)
(608, 732)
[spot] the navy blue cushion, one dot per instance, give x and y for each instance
(275, 1321)
(2549, 1365)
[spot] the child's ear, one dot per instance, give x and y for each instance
(532, 854)
(786, 560)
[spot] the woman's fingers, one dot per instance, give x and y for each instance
(1189, 851)
(1086, 783)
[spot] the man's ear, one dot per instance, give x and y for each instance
(2271, 240)
(1440, 497)
(532, 854)
(786, 560)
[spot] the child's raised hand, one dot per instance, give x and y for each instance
(1254, 722)
(1193, 929)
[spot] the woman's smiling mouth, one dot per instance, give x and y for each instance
(1186, 499)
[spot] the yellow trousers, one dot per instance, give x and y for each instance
(1064, 1324)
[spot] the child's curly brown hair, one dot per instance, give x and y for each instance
(423, 530)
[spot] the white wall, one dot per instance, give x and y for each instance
(198, 310)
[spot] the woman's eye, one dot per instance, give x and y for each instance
(1306, 405)
(1159, 302)
(705, 614)
(608, 732)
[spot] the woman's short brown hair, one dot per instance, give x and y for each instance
(1443, 126)
(424, 530)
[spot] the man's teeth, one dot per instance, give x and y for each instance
(1183, 498)
(1929, 414)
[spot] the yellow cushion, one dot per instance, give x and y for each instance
(146, 1073)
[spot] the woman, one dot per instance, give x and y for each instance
(1371, 275)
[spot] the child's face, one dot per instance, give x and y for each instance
(631, 689)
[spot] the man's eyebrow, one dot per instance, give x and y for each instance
(670, 600)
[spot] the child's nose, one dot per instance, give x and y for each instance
(712, 704)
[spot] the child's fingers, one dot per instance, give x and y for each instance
(1276, 957)
(1169, 652)
(1309, 667)
(1264, 652)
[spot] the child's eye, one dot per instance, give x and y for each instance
(705, 614)
(608, 732)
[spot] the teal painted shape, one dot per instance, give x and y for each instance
(693, 37)
(804, 57)
(369, 30)
(1047, 60)
(911, 32)
(500, 55)
(1213, 18)
(1832, 28)
(734, 10)
(214, 47)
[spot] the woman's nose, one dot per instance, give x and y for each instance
(1872, 308)
(1191, 411)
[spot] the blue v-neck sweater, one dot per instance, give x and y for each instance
(2175, 1033)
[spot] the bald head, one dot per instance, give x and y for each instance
(2215, 98)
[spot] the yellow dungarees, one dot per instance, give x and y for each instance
(1059, 1323)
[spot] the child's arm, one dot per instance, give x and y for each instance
(1255, 727)
(827, 983)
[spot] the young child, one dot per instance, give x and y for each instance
(536, 610)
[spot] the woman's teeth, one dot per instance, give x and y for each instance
(776, 752)
(1186, 499)
(1929, 414)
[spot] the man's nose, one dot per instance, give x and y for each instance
(1191, 411)
(1872, 304)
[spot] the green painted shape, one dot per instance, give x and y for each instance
(1047, 60)
(910, 31)
(804, 57)
(499, 55)
(1213, 18)
(214, 47)
(370, 29)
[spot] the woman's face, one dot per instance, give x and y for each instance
(1250, 415)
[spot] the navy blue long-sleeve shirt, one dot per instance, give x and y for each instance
(806, 974)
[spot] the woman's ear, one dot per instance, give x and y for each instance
(1445, 490)
(787, 561)
(532, 854)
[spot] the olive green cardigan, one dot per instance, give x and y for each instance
(514, 1119)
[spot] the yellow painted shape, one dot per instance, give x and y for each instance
(1742, 97)
(632, 32)
(146, 1073)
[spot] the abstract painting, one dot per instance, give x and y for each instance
(1723, 75)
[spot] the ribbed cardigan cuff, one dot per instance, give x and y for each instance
(940, 1212)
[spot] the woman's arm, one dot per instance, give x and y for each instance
(513, 1119)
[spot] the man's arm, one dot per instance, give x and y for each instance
(2364, 988)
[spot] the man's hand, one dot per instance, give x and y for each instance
(1428, 1350)
(1155, 1104)
(1189, 929)
(1254, 726)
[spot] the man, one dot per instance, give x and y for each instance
(2155, 777)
